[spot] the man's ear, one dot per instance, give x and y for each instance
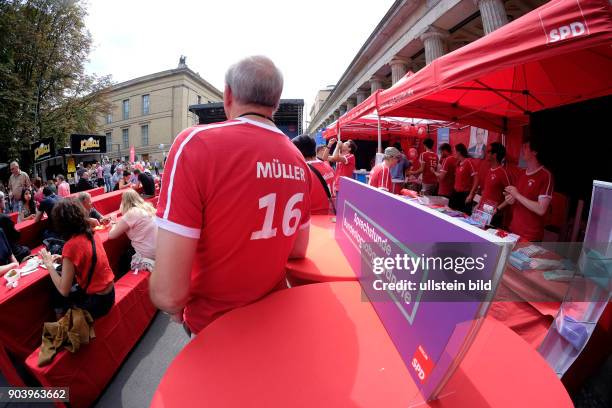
(228, 100)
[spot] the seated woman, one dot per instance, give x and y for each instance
(7, 259)
(137, 222)
(28, 206)
(83, 259)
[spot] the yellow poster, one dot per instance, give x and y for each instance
(71, 165)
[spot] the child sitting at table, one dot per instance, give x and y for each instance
(138, 223)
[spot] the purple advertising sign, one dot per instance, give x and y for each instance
(431, 318)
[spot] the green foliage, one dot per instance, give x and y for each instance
(44, 90)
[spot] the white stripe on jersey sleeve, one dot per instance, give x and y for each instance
(177, 228)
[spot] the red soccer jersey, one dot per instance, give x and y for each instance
(380, 177)
(496, 180)
(242, 189)
(464, 176)
(344, 168)
(526, 223)
(430, 159)
(319, 202)
(449, 164)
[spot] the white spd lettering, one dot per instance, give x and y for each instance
(573, 30)
(276, 170)
(291, 216)
(418, 369)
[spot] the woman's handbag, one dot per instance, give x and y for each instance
(54, 245)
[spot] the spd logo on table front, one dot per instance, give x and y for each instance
(421, 364)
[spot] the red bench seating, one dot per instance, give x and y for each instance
(30, 232)
(14, 216)
(93, 192)
(88, 371)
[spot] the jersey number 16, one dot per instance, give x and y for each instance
(291, 216)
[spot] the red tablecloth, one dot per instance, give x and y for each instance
(30, 232)
(322, 346)
(93, 192)
(107, 202)
(24, 309)
(324, 260)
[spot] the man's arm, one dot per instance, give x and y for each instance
(170, 280)
(475, 182)
(336, 157)
(327, 147)
(301, 243)
(539, 207)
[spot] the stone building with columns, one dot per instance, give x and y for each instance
(411, 35)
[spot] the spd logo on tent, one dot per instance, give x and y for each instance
(574, 25)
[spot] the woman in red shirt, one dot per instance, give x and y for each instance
(95, 292)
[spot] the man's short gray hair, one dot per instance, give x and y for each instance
(256, 81)
(84, 196)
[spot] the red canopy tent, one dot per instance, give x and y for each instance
(366, 107)
(366, 128)
(558, 54)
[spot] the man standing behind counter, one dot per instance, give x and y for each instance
(234, 206)
(531, 195)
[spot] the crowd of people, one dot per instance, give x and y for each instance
(73, 253)
(23, 195)
(524, 198)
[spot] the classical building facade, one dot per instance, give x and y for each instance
(319, 100)
(148, 112)
(412, 34)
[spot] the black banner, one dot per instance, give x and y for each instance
(81, 144)
(43, 149)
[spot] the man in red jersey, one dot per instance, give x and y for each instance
(531, 195)
(446, 175)
(380, 176)
(466, 181)
(234, 206)
(344, 156)
(429, 163)
(496, 180)
(322, 176)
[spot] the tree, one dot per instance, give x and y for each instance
(44, 90)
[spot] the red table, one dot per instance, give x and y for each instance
(24, 309)
(107, 202)
(93, 192)
(324, 260)
(30, 231)
(321, 346)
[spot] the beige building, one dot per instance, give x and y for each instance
(148, 112)
(320, 100)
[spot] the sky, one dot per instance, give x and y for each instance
(311, 41)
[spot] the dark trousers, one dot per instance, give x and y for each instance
(457, 202)
(96, 305)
